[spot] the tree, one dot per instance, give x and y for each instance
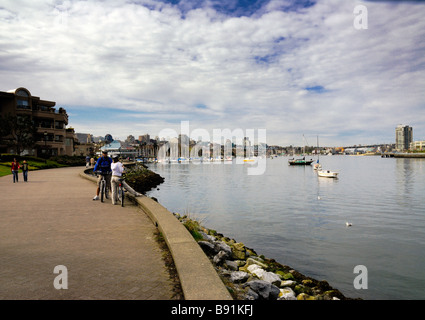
(17, 131)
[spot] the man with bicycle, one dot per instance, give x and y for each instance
(103, 165)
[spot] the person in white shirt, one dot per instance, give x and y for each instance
(117, 170)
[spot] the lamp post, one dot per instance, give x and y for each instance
(45, 146)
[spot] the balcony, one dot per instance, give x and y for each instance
(51, 113)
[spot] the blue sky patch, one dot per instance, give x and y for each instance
(316, 89)
(237, 8)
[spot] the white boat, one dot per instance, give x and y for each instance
(317, 166)
(327, 173)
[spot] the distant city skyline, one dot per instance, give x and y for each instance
(292, 68)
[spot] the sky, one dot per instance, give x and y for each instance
(296, 69)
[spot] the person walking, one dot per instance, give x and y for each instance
(117, 170)
(25, 170)
(87, 161)
(103, 164)
(15, 168)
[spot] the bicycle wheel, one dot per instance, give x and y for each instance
(102, 189)
(122, 195)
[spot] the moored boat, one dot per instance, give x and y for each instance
(327, 174)
(300, 162)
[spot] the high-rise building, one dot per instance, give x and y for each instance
(145, 138)
(403, 137)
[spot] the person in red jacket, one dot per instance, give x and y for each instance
(15, 167)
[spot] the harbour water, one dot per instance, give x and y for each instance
(299, 219)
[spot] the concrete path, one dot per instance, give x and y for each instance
(109, 251)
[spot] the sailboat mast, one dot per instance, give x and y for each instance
(317, 150)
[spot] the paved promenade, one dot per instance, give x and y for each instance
(109, 251)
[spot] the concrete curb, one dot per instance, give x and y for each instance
(198, 278)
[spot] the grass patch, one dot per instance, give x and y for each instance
(193, 227)
(4, 170)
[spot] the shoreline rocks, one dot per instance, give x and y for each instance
(249, 276)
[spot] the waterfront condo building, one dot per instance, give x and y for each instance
(52, 137)
(403, 137)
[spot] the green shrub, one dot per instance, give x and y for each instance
(193, 227)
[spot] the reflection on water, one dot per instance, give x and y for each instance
(297, 218)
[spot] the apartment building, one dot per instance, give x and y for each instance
(52, 136)
(403, 137)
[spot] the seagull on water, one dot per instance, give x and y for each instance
(348, 224)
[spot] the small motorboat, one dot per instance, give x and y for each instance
(327, 174)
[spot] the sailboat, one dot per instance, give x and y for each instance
(302, 162)
(323, 173)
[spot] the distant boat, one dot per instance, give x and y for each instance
(317, 165)
(327, 174)
(300, 162)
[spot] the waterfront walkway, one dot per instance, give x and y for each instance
(109, 251)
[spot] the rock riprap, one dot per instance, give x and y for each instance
(249, 276)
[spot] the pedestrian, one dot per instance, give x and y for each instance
(25, 170)
(87, 161)
(117, 171)
(103, 164)
(92, 162)
(15, 168)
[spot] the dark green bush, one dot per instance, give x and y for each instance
(142, 179)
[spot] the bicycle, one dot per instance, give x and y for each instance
(121, 191)
(102, 186)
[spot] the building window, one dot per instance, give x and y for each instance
(44, 108)
(23, 104)
(22, 93)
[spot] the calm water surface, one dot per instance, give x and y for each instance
(297, 218)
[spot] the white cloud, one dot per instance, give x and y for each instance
(162, 61)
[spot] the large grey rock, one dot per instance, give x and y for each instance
(239, 276)
(221, 246)
(264, 289)
(207, 237)
(271, 277)
(220, 257)
(232, 265)
(207, 247)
